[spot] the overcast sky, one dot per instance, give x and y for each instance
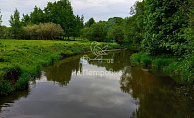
(98, 9)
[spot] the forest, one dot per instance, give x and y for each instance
(162, 31)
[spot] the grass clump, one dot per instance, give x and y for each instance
(146, 61)
(161, 62)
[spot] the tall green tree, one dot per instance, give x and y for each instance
(0, 23)
(15, 24)
(114, 30)
(96, 32)
(0, 17)
(90, 22)
(25, 20)
(37, 16)
(61, 12)
(79, 25)
(117, 34)
(133, 27)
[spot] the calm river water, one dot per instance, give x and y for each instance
(77, 88)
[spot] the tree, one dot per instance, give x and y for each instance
(78, 26)
(25, 20)
(111, 26)
(5, 32)
(0, 23)
(0, 18)
(65, 17)
(117, 34)
(133, 27)
(96, 32)
(165, 25)
(15, 24)
(37, 16)
(90, 22)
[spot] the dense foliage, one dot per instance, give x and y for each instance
(168, 36)
(166, 22)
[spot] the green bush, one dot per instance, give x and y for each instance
(5, 88)
(146, 61)
(136, 57)
(22, 83)
(43, 31)
(160, 63)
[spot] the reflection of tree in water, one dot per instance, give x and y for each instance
(120, 60)
(157, 95)
(13, 97)
(62, 72)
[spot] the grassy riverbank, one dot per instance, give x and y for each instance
(182, 66)
(21, 60)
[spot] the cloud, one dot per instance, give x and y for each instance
(23, 6)
(102, 9)
(98, 9)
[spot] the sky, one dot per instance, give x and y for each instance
(98, 9)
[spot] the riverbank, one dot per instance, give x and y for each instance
(182, 66)
(21, 60)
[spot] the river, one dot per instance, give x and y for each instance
(77, 87)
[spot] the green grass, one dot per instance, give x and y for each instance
(25, 58)
(179, 65)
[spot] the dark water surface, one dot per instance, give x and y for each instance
(97, 89)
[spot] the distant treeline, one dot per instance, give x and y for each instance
(129, 29)
(57, 16)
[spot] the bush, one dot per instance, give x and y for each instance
(147, 61)
(43, 31)
(136, 57)
(22, 83)
(159, 63)
(5, 88)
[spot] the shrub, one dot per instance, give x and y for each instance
(5, 88)
(136, 57)
(147, 61)
(22, 83)
(43, 31)
(159, 63)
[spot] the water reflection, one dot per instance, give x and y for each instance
(136, 93)
(120, 60)
(157, 97)
(62, 71)
(8, 101)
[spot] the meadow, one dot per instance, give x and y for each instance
(21, 60)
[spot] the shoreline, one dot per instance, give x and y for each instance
(23, 59)
(109, 50)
